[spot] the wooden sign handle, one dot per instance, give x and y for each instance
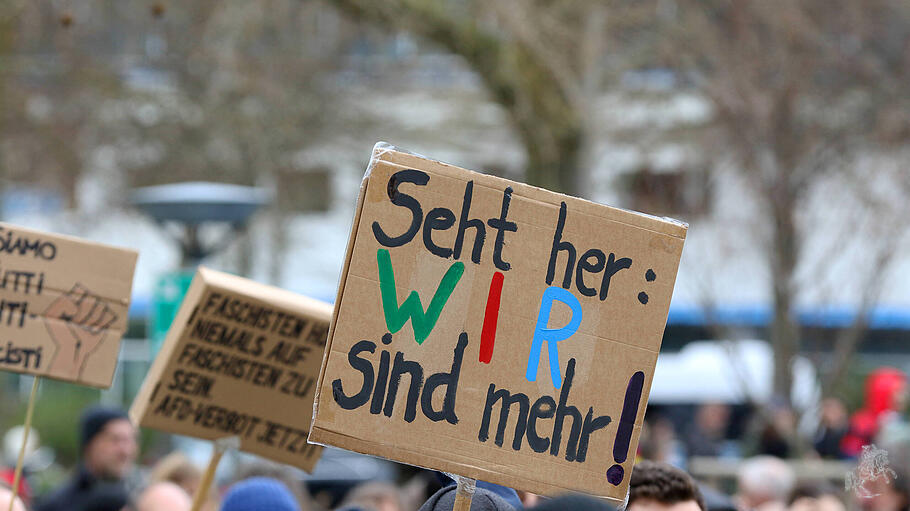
(28, 426)
(464, 493)
(219, 448)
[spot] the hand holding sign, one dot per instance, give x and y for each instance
(77, 322)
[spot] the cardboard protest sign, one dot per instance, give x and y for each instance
(240, 359)
(495, 330)
(63, 305)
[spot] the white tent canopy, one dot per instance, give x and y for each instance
(727, 372)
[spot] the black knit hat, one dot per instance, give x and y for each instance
(93, 421)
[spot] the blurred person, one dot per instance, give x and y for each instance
(107, 441)
(658, 442)
(707, 435)
(374, 496)
(282, 474)
(504, 492)
(655, 486)
(765, 483)
(816, 496)
(259, 494)
(178, 469)
(12, 443)
(483, 500)
(104, 496)
(528, 499)
(6, 495)
(831, 429)
(887, 492)
(164, 496)
(777, 432)
(886, 397)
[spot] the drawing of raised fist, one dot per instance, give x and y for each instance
(77, 322)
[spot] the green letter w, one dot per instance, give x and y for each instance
(395, 316)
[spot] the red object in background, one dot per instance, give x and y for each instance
(25, 491)
(885, 392)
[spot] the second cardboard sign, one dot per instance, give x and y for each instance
(240, 359)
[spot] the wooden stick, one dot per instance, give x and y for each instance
(220, 446)
(464, 493)
(28, 426)
(202, 491)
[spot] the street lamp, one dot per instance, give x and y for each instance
(190, 205)
(182, 209)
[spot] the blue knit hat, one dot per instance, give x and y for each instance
(259, 493)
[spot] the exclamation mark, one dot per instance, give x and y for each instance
(626, 425)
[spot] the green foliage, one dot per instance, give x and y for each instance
(852, 387)
(56, 416)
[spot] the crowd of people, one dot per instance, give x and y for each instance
(102, 479)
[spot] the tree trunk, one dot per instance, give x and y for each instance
(555, 170)
(785, 331)
(541, 110)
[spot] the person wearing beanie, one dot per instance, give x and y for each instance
(259, 494)
(483, 500)
(108, 449)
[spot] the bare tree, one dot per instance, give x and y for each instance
(539, 60)
(165, 92)
(801, 91)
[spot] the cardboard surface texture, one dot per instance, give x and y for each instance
(240, 359)
(495, 330)
(63, 305)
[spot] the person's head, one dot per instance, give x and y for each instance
(833, 413)
(108, 442)
(661, 487)
(886, 493)
(817, 496)
(6, 495)
(483, 500)
(713, 418)
(259, 494)
(164, 496)
(377, 496)
(178, 469)
(886, 390)
(764, 479)
(280, 473)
